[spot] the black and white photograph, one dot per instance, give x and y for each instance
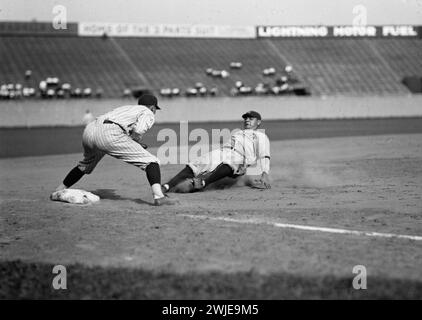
(228, 152)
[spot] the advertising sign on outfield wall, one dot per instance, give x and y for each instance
(36, 29)
(93, 29)
(338, 31)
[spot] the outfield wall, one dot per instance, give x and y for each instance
(35, 113)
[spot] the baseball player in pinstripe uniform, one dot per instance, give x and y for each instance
(118, 133)
(246, 149)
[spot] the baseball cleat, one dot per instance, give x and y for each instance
(166, 200)
(198, 184)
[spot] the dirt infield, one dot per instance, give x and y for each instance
(367, 184)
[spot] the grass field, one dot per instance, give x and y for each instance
(335, 202)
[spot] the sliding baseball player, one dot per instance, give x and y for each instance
(247, 149)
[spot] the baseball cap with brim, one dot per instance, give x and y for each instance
(148, 100)
(252, 114)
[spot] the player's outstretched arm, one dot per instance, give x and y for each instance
(263, 156)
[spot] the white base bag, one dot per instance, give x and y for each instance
(76, 196)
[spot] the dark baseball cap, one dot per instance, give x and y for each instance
(252, 114)
(148, 100)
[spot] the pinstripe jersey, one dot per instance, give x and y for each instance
(101, 138)
(134, 119)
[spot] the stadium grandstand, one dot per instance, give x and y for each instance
(113, 66)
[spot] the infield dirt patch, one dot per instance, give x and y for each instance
(371, 183)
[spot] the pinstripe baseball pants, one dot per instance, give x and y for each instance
(101, 138)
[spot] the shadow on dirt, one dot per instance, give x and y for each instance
(110, 194)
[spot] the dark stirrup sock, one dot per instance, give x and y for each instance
(186, 173)
(153, 173)
(72, 177)
(222, 171)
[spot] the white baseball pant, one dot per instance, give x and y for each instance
(103, 138)
(208, 162)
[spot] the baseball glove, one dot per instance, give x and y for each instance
(262, 183)
(137, 138)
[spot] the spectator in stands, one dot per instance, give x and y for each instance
(275, 90)
(43, 88)
(28, 74)
(60, 93)
(225, 74)
(235, 65)
(99, 93)
(4, 93)
(191, 92)
(18, 90)
(43, 85)
(220, 73)
(234, 91)
(244, 90)
(216, 73)
(214, 91)
(51, 93)
(209, 71)
(52, 81)
(200, 89)
(126, 93)
(238, 84)
(281, 80)
(203, 91)
(66, 86)
(87, 92)
(165, 92)
(77, 93)
(261, 88)
(175, 91)
(268, 71)
(88, 117)
(289, 74)
(28, 92)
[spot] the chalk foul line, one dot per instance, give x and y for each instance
(307, 228)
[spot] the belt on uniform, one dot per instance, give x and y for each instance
(111, 122)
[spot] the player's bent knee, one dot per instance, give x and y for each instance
(147, 164)
(196, 171)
